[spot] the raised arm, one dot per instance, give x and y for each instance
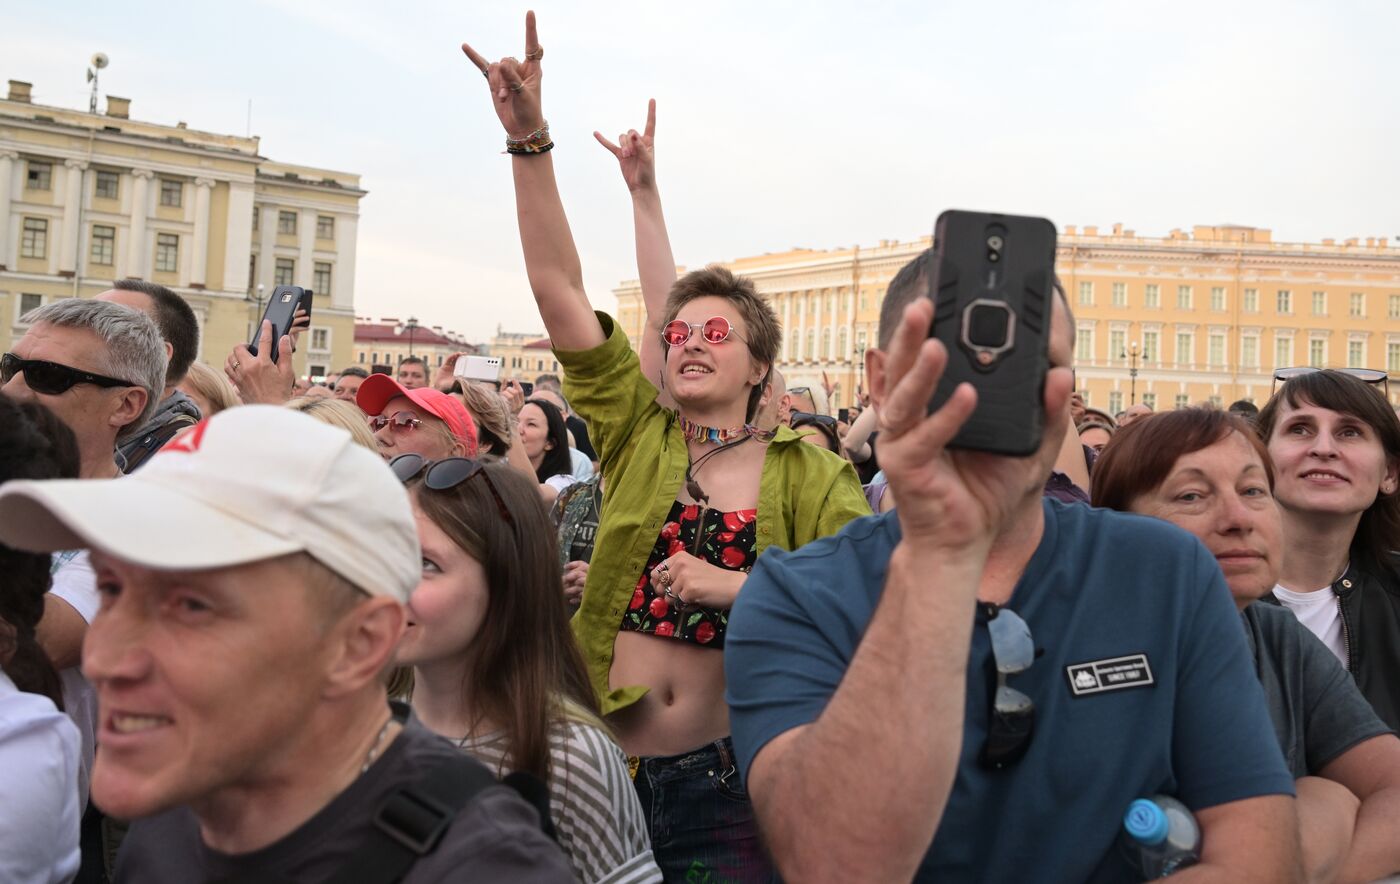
(656, 265)
(551, 259)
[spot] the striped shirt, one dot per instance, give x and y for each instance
(591, 800)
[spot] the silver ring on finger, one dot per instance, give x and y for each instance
(536, 55)
(516, 87)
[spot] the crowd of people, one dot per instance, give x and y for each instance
(668, 618)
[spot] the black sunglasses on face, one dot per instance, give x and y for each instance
(799, 418)
(1012, 723)
(446, 474)
(52, 378)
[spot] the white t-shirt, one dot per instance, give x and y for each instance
(75, 582)
(560, 481)
(39, 809)
(1319, 612)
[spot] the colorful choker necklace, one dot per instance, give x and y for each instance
(697, 433)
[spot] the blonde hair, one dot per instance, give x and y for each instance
(213, 387)
(491, 415)
(337, 413)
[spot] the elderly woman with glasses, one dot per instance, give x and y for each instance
(419, 421)
(693, 495)
(1207, 472)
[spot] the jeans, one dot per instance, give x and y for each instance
(702, 825)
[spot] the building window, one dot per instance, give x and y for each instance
(257, 213)
(1086, 294)
(40, 176)
(1283, 353)
(104, 240)
(860, 345)
(106, 184)
(1214, 401)
(1120, 294)
(811, 342)
(1392, 356)
(320, 339)
(362, 357)
(252, 271)
(286, 269)
(1182, 400)
(1184, 348)
(1285, 301)
(1356, 354)
(1394, 311)
(1084, 345)
(842, 353)
(826, 344)
(167, 252)
(325, 227)
(1183, 297)
(321, 281)
(34, 242)
(287, 222)
(1149, 346)
(1251, 300)
(1117, 344)
(1358, 303)
(1316, 352)
(1115, 402)
(1249, 352)
(317, 372)
(28, 302)
(1150, 400)
(1217, 350)
(792, 352)
(1319, 303)
(171, 193)
(1152, 296)
(1217, 298)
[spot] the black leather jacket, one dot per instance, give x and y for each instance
(1369, 600)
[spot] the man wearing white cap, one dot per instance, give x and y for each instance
(252, 578)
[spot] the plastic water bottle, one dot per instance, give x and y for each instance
(1160, 836)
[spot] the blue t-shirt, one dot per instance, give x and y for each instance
(1143, 685)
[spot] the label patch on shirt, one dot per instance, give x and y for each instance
(1113, 674)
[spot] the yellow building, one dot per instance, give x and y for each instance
(384, 343)
(524, 356)
(1212, 313)
(86, 199)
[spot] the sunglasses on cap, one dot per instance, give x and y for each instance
(1012, 722)
(1373, 376)
(715, 330)
(403, 420)
(445, 474)
(52, 378)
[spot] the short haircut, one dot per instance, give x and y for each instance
(414, 360)
(354, 371)
(549, 382)
(134, 350)
(1244, 408)
(764, 333)
(912, 282)
(1379, 530)
(176, 321)
(1142, 454)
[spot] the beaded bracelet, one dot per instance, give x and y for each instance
(537, 141)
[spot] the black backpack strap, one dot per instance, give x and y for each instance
(411, 820)
(137, 454)
(534, 790)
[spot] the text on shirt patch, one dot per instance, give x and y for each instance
(1113, 674)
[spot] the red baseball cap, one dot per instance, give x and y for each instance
(378, 389)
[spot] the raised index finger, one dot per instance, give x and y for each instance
(532, 39)
(651, 118)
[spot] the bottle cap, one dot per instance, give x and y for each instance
(1145, 822)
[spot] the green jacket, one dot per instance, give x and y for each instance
(806, 492)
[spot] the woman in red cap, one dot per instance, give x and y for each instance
(422, 421)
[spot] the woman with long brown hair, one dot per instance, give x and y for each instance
(495, 667)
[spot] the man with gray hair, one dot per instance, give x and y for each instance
(101, 368)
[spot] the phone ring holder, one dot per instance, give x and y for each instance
(988, 330)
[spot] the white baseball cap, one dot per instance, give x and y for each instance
(249, 484)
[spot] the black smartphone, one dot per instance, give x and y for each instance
(281, 310)
(843, 415)
(528, 388)
(991, 283)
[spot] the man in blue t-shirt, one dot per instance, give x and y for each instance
(1018, 668)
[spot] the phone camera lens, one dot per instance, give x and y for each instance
(995, 243)
(993, 255)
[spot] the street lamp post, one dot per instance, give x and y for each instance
(1132, 354)
(409, 325)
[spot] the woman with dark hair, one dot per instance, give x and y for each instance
(495, 667)
(1206, 471)
(39, 746)
(546, 440)
(1335, 443)
(692, 496)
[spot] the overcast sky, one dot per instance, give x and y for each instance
(781, 124)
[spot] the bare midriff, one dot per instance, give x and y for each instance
(684, 708)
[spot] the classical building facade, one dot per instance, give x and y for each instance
(86, 199)
(524, 356)
(1201, 316)
(381, 344)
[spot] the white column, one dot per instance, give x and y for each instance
(72, 206)
(306, 255)
(267, 248)
(7, 173)
(137, 261)
(834, 340)
(238, 241)
(343, 280)
(787, 327)
(199, 265)
(802, 305)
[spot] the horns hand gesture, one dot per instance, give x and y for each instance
(515, 84)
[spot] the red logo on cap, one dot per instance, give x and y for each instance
(188, 442)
